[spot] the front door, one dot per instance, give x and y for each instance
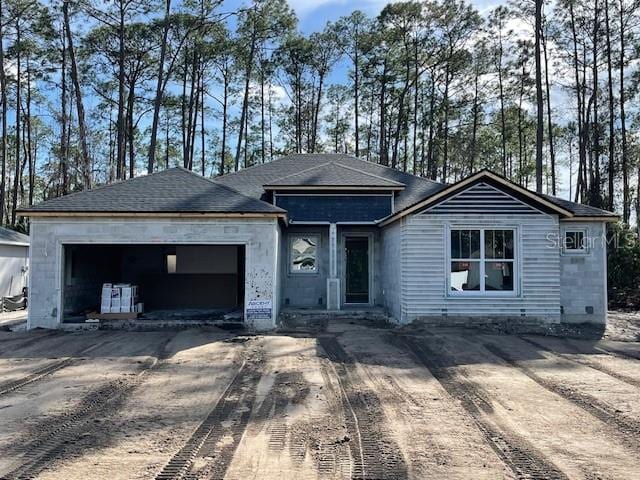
(357, 269)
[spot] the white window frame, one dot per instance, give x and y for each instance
(294, 236)
(482, 261)
(574, 251)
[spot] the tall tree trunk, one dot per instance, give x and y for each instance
(270, 109)
(3, 106)
(263, 145)
(399, 123)
(520, 129)
(586, 116)
(431, 168)
(316, 113)
(579, 100)
(474, 130)
(539, 98)
(384, 158)
(157, 101)
(356, 91)
(190, 117)
(612, 145)
(196, 110)
(121, 144)
(503, 122)
(225, 96)
(183, 111)
(552, 153)
(112, 135)
(82, 127)
(29, 147)
(167, 143)
(626, 207)
(245, 99)
(130, 130)
(203, 132)
(16, 181)
(595, 197)
(445, 139)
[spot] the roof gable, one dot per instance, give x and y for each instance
(333, 174)
(251, 181)
(526, 196)
(176, 190)
(480, 198)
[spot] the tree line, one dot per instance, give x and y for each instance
(95, 92)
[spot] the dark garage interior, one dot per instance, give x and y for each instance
(174, 281)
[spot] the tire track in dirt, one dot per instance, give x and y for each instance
(324, 435)
(45, 371)
(288, 388)
(618, 353)
(627, 427)
(54, 437)
(576, 358)
(374, 452)
(411, 410)
(210, 449)
(23, 343)
(519, 455)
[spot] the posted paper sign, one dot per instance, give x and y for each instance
(259, 310)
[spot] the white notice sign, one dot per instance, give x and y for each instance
(259, 309)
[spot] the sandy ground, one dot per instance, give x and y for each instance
(347, 401)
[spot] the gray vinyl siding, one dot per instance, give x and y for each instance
(425, 268)
(391, 268)
(482, 198)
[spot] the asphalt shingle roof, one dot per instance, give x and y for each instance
(579, 209)
(9, 237)
(176, 190)
(250, 181)
(334, 174)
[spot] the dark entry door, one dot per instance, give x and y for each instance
(357, 270)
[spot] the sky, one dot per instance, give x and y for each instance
(314, 14)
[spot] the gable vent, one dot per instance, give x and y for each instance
(482, 198)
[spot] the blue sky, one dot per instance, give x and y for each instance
(313, 14)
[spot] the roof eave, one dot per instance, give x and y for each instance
(14, 244)
(592, 218)
(40, 213)
(333, 187)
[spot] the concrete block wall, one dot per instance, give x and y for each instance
(260, 237)
(305, 289)
(583, 276)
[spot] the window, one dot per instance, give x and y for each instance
(303, 254)
(172, 263)
(574, 241)
(482, 260)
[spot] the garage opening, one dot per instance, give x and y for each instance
(198, 282)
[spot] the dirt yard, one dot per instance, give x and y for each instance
(348, 401)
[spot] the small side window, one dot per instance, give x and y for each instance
(574, 241)
(303, 254)
(172, 261)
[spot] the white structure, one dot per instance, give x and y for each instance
(14, 262)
